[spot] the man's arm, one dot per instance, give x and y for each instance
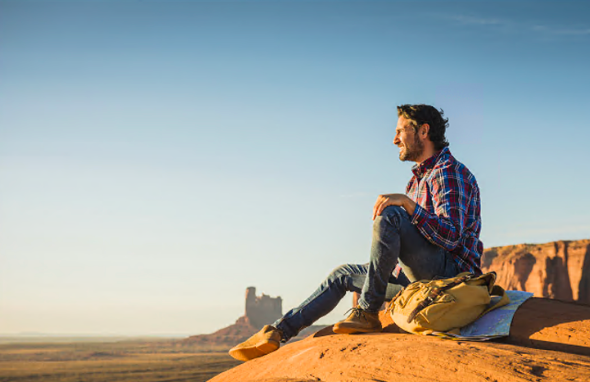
(451, 192)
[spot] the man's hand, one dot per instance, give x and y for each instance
(393, 200)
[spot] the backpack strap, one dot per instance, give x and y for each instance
(392, 302)
(434, 293)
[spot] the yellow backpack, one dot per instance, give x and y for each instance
(445, 305)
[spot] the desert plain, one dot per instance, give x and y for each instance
(146, 360)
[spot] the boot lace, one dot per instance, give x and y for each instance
(358, 312)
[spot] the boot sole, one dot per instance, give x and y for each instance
(267, 347)
(245, 354)
(251, 352)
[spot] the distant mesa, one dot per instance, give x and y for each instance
(262, 310)
(259, 311)
(558, 270)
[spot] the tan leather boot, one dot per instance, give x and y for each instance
(266, 341)
(359, 321)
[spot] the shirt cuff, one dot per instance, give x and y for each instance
(420, 216)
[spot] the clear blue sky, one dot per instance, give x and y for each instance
(158, 157)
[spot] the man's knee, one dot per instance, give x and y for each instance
(339, 272)
(391, 216)
(347, 277)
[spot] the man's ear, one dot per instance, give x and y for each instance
(423, 131)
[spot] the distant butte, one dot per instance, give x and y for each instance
(259, 311)
(559, 270)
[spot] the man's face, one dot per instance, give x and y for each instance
(410, 146)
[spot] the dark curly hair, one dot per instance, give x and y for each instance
(421, 114)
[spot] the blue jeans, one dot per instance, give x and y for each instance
(395, 239)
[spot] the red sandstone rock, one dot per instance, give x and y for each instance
(549, 340)
(558, 270)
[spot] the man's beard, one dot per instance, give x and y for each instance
(413, 151)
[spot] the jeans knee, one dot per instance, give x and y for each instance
(390, 217)
(340, 277)
(338, 272)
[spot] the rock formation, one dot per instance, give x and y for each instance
(549, 340)
(262, 310)
(558, 270)
(259, 311)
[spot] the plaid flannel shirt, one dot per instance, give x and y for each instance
(448, 208)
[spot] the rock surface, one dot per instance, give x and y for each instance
(558, 269)
(549, 340)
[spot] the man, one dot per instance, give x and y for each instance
(430, 232)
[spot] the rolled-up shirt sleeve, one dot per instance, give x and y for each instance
(451, 192)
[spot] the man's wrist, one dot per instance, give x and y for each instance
(409, 206)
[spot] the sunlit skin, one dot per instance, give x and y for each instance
(405, 139)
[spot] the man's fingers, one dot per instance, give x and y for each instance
(376, 207)
(380, 206)
(375, 211)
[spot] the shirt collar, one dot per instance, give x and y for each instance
(420, 169)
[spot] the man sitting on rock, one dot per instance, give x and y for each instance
(430, 232)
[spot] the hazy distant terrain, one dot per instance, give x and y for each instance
(148, 361)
